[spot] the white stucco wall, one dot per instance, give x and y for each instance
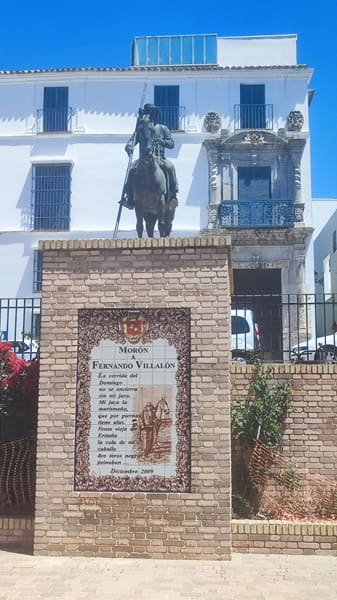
(325, 219)
(105, 105)
(257, 50)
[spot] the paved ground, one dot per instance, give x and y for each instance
(257, 577)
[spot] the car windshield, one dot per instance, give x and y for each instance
(239, 325)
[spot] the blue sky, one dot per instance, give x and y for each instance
(46, 34)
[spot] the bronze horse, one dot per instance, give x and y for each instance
(150, 186)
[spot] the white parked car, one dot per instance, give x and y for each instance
(245, 334)
(322, 349)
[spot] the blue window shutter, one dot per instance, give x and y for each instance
(166, 97)
(252, 106)
(55, 108)
(254, 183)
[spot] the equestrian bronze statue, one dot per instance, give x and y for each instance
(151, 186)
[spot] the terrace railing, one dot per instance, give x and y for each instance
(256, 213)
(173, 117)
(54, 120)
(253, 116)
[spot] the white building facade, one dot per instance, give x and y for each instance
(238, 109)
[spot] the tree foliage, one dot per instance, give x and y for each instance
(262, 415)
(19, 380)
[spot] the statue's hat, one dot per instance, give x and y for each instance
(151, 109)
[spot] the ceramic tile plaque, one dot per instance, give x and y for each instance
(133, 400)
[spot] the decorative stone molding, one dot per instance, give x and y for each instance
(213, 213)
(261, 264)
(299, 212)
(255, 261)
(212, 122)
(269, 237)
(254, 138)
(213, 170)
(295, 120)
(297, 177)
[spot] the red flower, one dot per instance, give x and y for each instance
(18, 377)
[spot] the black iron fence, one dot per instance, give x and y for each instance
(285, 327)
(280, 327)
(20, 325)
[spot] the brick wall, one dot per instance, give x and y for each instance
(146, 273)
(271, 537)
(262, 537)
(16, 533)
(310, 436)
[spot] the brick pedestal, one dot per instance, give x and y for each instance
(160, 273)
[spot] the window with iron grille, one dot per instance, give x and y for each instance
(166, 97)
(55, 109)
(37, 271)
(51, 197)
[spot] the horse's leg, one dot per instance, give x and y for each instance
(150, 222)
(169, 215)
(161, 218)
(139, 222)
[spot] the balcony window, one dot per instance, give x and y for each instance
(255, 206)
(166, 97)
(252, 107)
(51, 197)
(56, 114)
(254, 183)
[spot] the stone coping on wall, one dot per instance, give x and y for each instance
(287, 368)
(137, 244)
(286, 537)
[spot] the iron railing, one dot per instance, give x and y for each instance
(54, 120)
(280, 327)
(20, 324)
(173, 117)
(289, 327)
(256, 213)
(253, 116)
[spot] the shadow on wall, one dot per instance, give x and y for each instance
(24, 203)
(198, 193)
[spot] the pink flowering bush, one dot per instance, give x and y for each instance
(18, 394)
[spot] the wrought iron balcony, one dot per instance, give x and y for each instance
(173, 117)
(253, 116)
(256, 213)
(54, 120)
